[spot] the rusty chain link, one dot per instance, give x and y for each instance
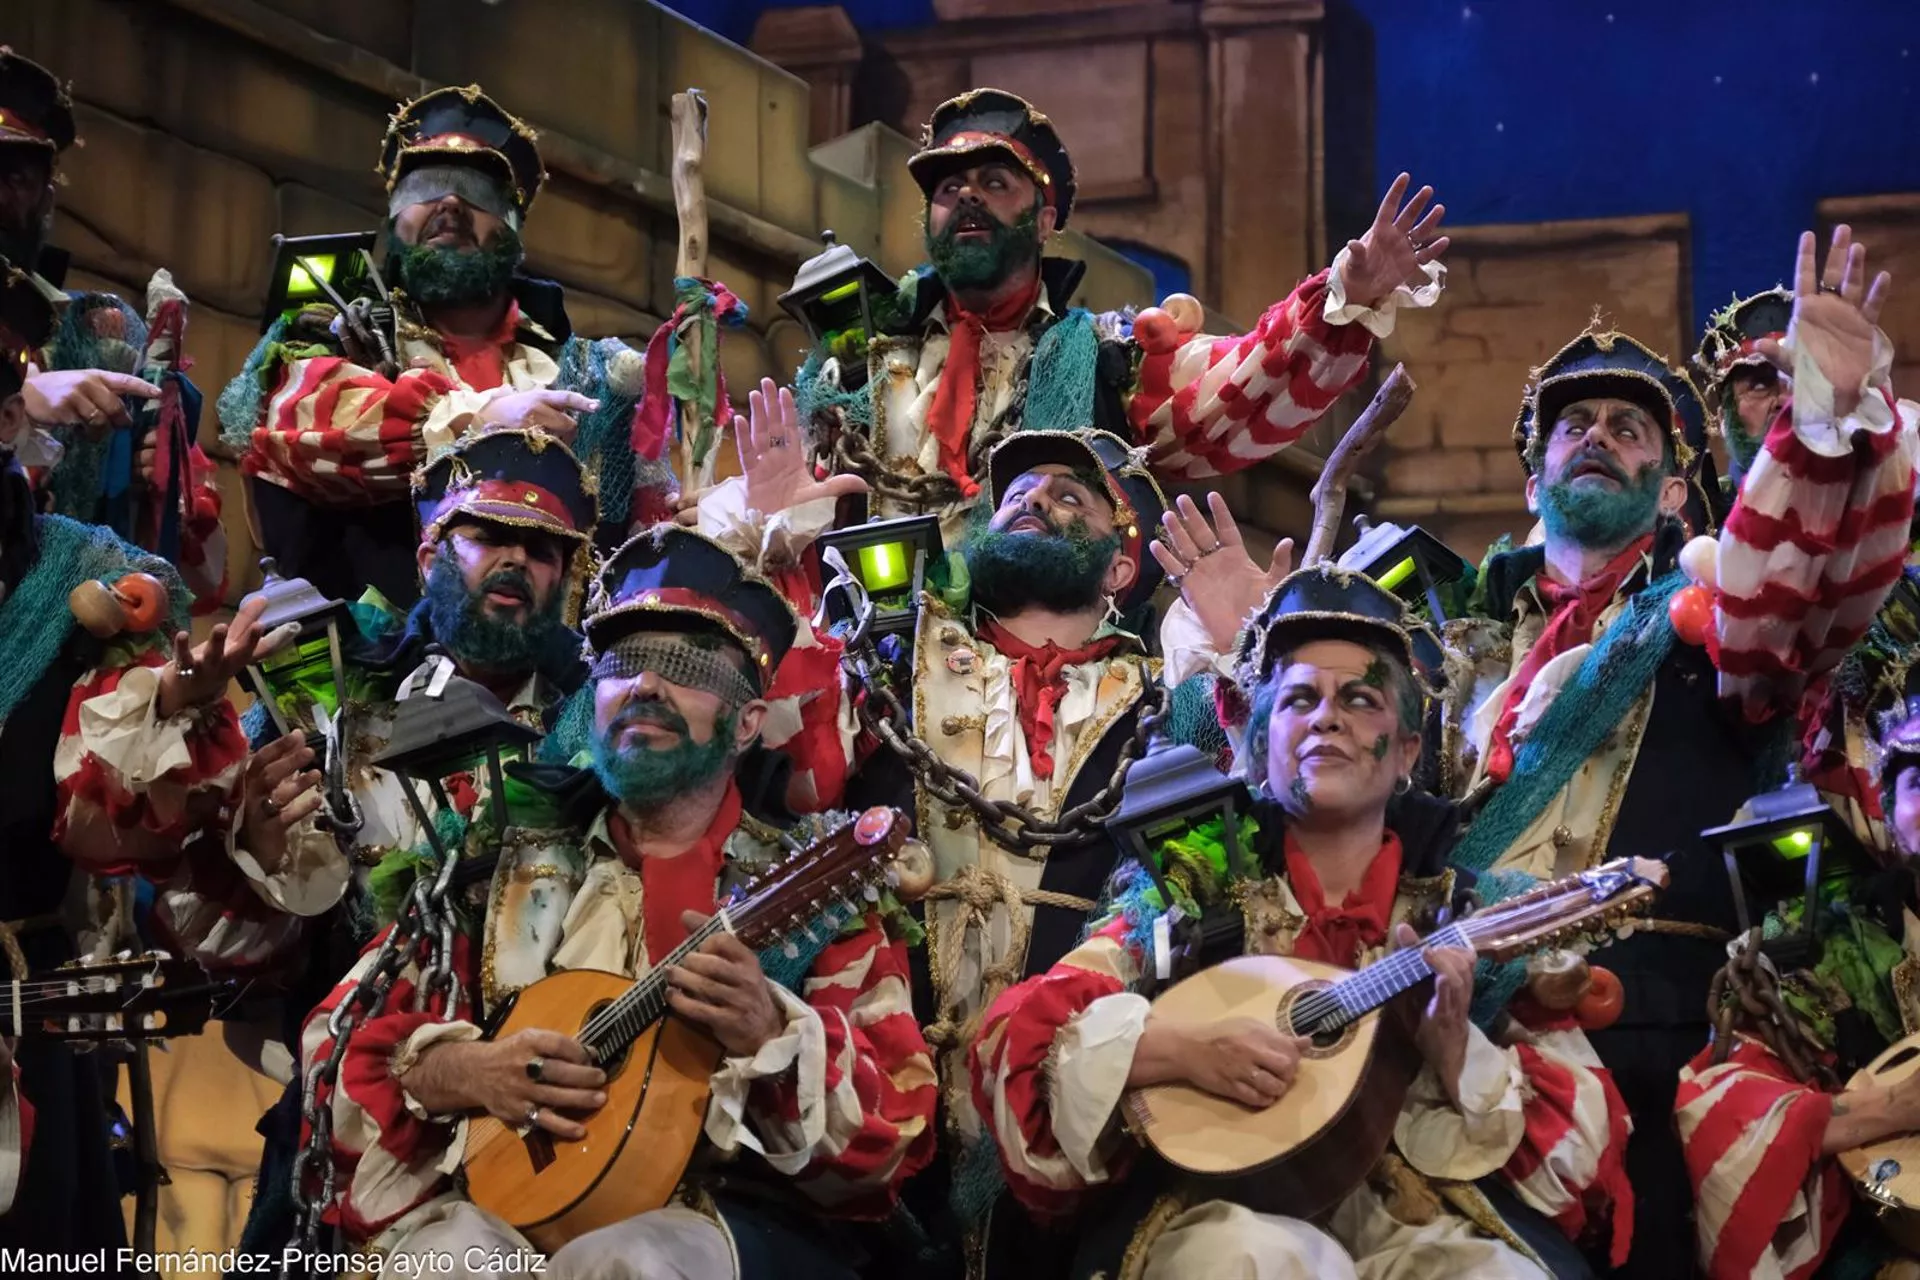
(1745, 996)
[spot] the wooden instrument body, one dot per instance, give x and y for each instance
(1887, 1173)
(1303, 1154)
(637, 1145)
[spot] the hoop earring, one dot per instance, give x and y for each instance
(1403, 784)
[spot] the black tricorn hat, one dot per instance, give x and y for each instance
(982, 121)
(26, 325)
(1734, 332)
(1613, 364)
(35, 108)
(515, 476)
(670, 578)
(463, 126)
(1138, 501)
(1324, 602)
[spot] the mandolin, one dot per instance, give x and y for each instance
(1302, 1155)
(1886, 1174)
(658, 1066)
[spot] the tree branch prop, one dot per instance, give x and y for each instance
(690, 206)
(1330, 490)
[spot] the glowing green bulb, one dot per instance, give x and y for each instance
(884, 566)
(1794, 844)
(301, 280)
(1393, 577)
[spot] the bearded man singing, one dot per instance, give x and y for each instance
(335, 412)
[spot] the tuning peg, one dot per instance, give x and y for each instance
(871, 893)
(892, 878)
(789, 950)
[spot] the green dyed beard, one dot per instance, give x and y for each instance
(474, 636)
(1742, 448)
(1602, 519)
(977, 265)
(437, 276)
(648, 778)
(1015, 571)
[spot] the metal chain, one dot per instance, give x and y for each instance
(1745, 995)
(1010, 825)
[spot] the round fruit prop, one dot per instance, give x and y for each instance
(1691, 611)
(1600, 1007)
(136, 602)
(1155, 331)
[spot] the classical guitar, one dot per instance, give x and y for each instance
(1886, 1174)
(1302, 1155)
(149, 996)
(658, 1066)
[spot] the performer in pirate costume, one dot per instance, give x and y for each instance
(826, 1093)
(1335, 670)
(983, 341)
(335, 413)
(1600, 708)
(88, 386)
(1762, 1111)
(116, 745)
(1743, 386)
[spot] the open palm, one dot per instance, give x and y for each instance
(1391, 252)
(773, 455)
(1835, 315)
(1220, 582)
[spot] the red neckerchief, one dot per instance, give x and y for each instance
(1573, 612)
(955, 399)
(1040, 681)
(1338, 935)
(684, 882)
(482, 362)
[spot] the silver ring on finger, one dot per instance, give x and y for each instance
(1829, 288)
(533, 1116)
(1209, 551)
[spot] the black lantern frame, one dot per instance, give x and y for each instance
(295, 601)
(1784, 844)
(332, 269)
(835, 289)
(1408, 561)
(888, 559)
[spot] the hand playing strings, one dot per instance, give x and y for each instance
(1443, 1031)
(721, 989)
(525, 1080)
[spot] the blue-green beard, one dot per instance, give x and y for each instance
(648, 778)
(1013, 571)
(1604, 519)
(437, 276)
(984, 265)
(473, 636)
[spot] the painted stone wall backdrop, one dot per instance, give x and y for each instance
(1889, 227)
(212, 124)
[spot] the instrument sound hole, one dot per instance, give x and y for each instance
(1301, 1013)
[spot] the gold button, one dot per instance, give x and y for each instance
(950, 635)
(1117, 669)
(1562, 837)
(952, 725)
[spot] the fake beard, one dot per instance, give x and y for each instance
(645, 777)
(438, 276)
(1604, 518)
(985, 264)
(474, 636)
(1060, 570)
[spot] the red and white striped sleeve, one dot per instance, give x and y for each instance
(1816, 539)
(387, 1151)
(208, 910)
(132, 786)
(1049, 1068)
(338, 433)
(1766, 1203)
(843, 1101)
(1214, 405)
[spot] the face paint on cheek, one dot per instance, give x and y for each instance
(1380, 746)
(1297, 793)
(1375, 676)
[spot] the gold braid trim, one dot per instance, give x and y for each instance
(1133, 1263)
(1477, 1209)
(10, 943)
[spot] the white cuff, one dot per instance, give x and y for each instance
(764, 541)
(407, 1056)
(1092, 1056)
(801, 1047)
(1188, 648)
(312, 877)
(1479, 1136)
(11, 1156)
(1813, 401)
(452, 416)
(120, 729)
(1378, 320)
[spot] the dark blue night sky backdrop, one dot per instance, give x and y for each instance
(1744, 115)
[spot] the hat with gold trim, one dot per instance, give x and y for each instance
(514, 476)
(463, 127)
(35, 108)
(982, 122)
(670, 578)
(1325, 602)
(26, 326)
(1138, 501)
(1610, 364)
(1734, 335)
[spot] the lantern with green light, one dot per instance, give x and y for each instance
(1785, 844)
(1408, 561)
(834, 291)
(303, 683)
(890, 559)
(324, 269)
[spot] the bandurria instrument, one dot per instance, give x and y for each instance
(1302, 1155)
(1887, 1173)
(658, 1066)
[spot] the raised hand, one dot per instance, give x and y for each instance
(198, 674)
(1834, 316)
(551, 411)
(721, 989)
(1209, 563)
(1442, 1036)
(1391, 251)
(278, 792)
(773, 455)
(88, 396)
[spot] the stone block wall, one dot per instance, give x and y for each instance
(1889, 227)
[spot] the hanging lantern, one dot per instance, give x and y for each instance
(889, 558)
(1408, 561)
(325, 269)
(834, 291)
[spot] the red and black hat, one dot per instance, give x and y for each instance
(514, 476)
(35, 108)
(1138, 502)
(1326, 602)
(980, 122)
(670, 578)
(463, 126)
(1734, 334)
(26, 326)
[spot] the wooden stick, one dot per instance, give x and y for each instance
(1330, 490)
(690, 205)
